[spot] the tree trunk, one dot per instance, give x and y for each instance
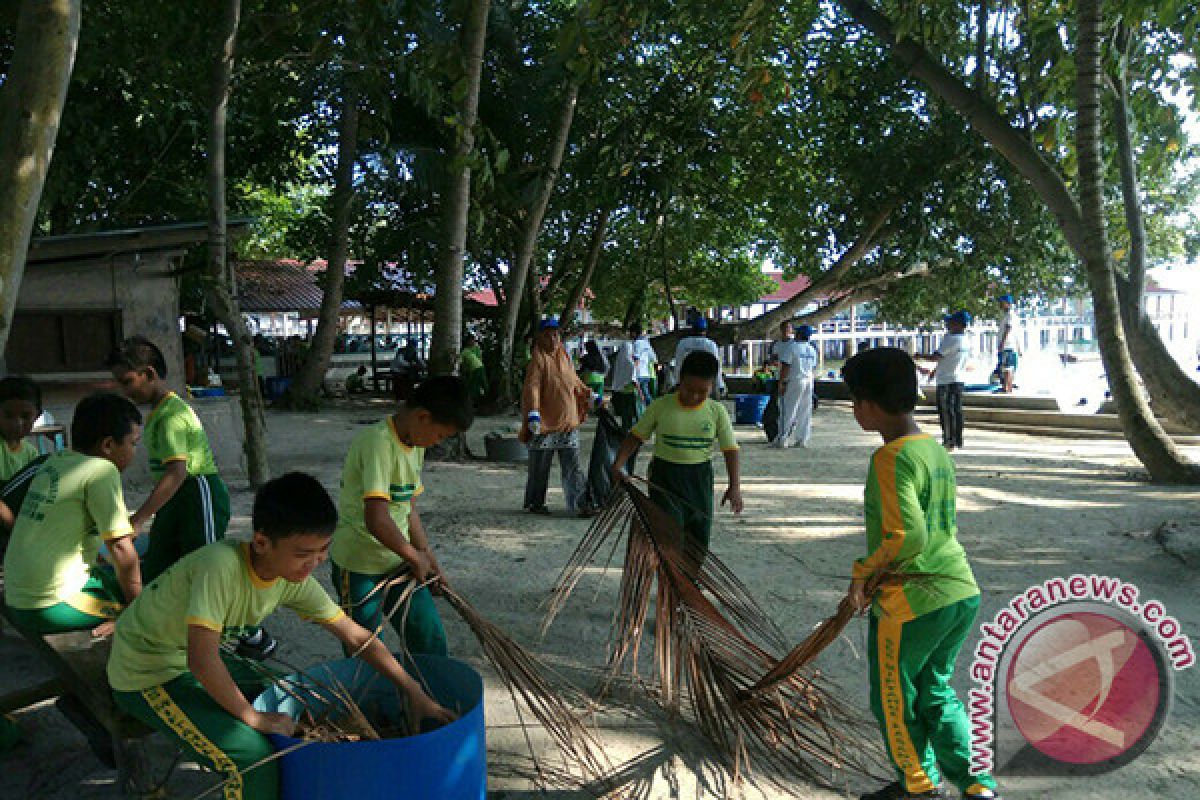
(221, 290)
(981, 33)
(533, 226)
(660, 233)
(1177, 396)
(1131, 194)
(1147, 438)
(448, 297)
(562, 256)
(1173, 393)
(982, 115)
(307, 384)
(595, 248)
(31, 104)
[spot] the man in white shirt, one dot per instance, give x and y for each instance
(644, 359)
(784, 342)
(698, 341)
(1009, 348)
(951, 356)
(798, 360)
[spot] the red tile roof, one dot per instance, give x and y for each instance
(485, 297)
(787, 289)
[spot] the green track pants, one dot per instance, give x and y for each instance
(196, 515)
(421, 629)
(685, 491)
(924, 723)
(186, 713)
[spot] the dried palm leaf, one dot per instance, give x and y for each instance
(531, 683)
(528, 681)
(712, 642)
(825, 634)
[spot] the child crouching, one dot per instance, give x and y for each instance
(167, 668)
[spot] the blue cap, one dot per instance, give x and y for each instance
(963, 317)
(805, 330)
(548, 324)
(700, 324)
(1005, 298)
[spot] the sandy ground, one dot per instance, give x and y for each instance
(1029, 509)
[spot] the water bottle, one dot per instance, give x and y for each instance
(534, 420)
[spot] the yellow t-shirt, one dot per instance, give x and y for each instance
(11, 461)
(685, 435)
(173, 433)
(74, 502)
(378, 465)
(213, 587)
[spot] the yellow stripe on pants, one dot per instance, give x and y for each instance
(94, 606)
(177, 720)
(895, 704)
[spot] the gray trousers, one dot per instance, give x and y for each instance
(574, 480)
(950, 413)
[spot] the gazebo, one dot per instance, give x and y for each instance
(283, 286)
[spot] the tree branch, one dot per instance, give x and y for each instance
(982, 115)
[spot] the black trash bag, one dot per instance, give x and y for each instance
(609, 435)
(770, 418)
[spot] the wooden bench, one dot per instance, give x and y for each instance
(78, 660)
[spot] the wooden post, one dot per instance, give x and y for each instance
(374, 365)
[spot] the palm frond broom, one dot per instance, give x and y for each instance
(712, 643)
(330, 712)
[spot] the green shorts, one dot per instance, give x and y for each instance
(196, 515)
(99, 600)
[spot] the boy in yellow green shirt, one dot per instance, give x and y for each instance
(53, 581)
(20, 406)
(189, 502)
(917, 628)
(472, 369)
(167, 668)
(379, 530)
(686, 425)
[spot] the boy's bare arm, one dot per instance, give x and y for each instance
(628, 446)
(125, 563)
(204, 660)
(733, 495)
(419, 540)
(381, 525)
(373, 651)
(164, 490)
(7, 518)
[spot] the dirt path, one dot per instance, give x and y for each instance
(1029, 509)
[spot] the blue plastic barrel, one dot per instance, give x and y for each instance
(748, 408)
(449, 763)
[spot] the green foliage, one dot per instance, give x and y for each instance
(721, 136)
